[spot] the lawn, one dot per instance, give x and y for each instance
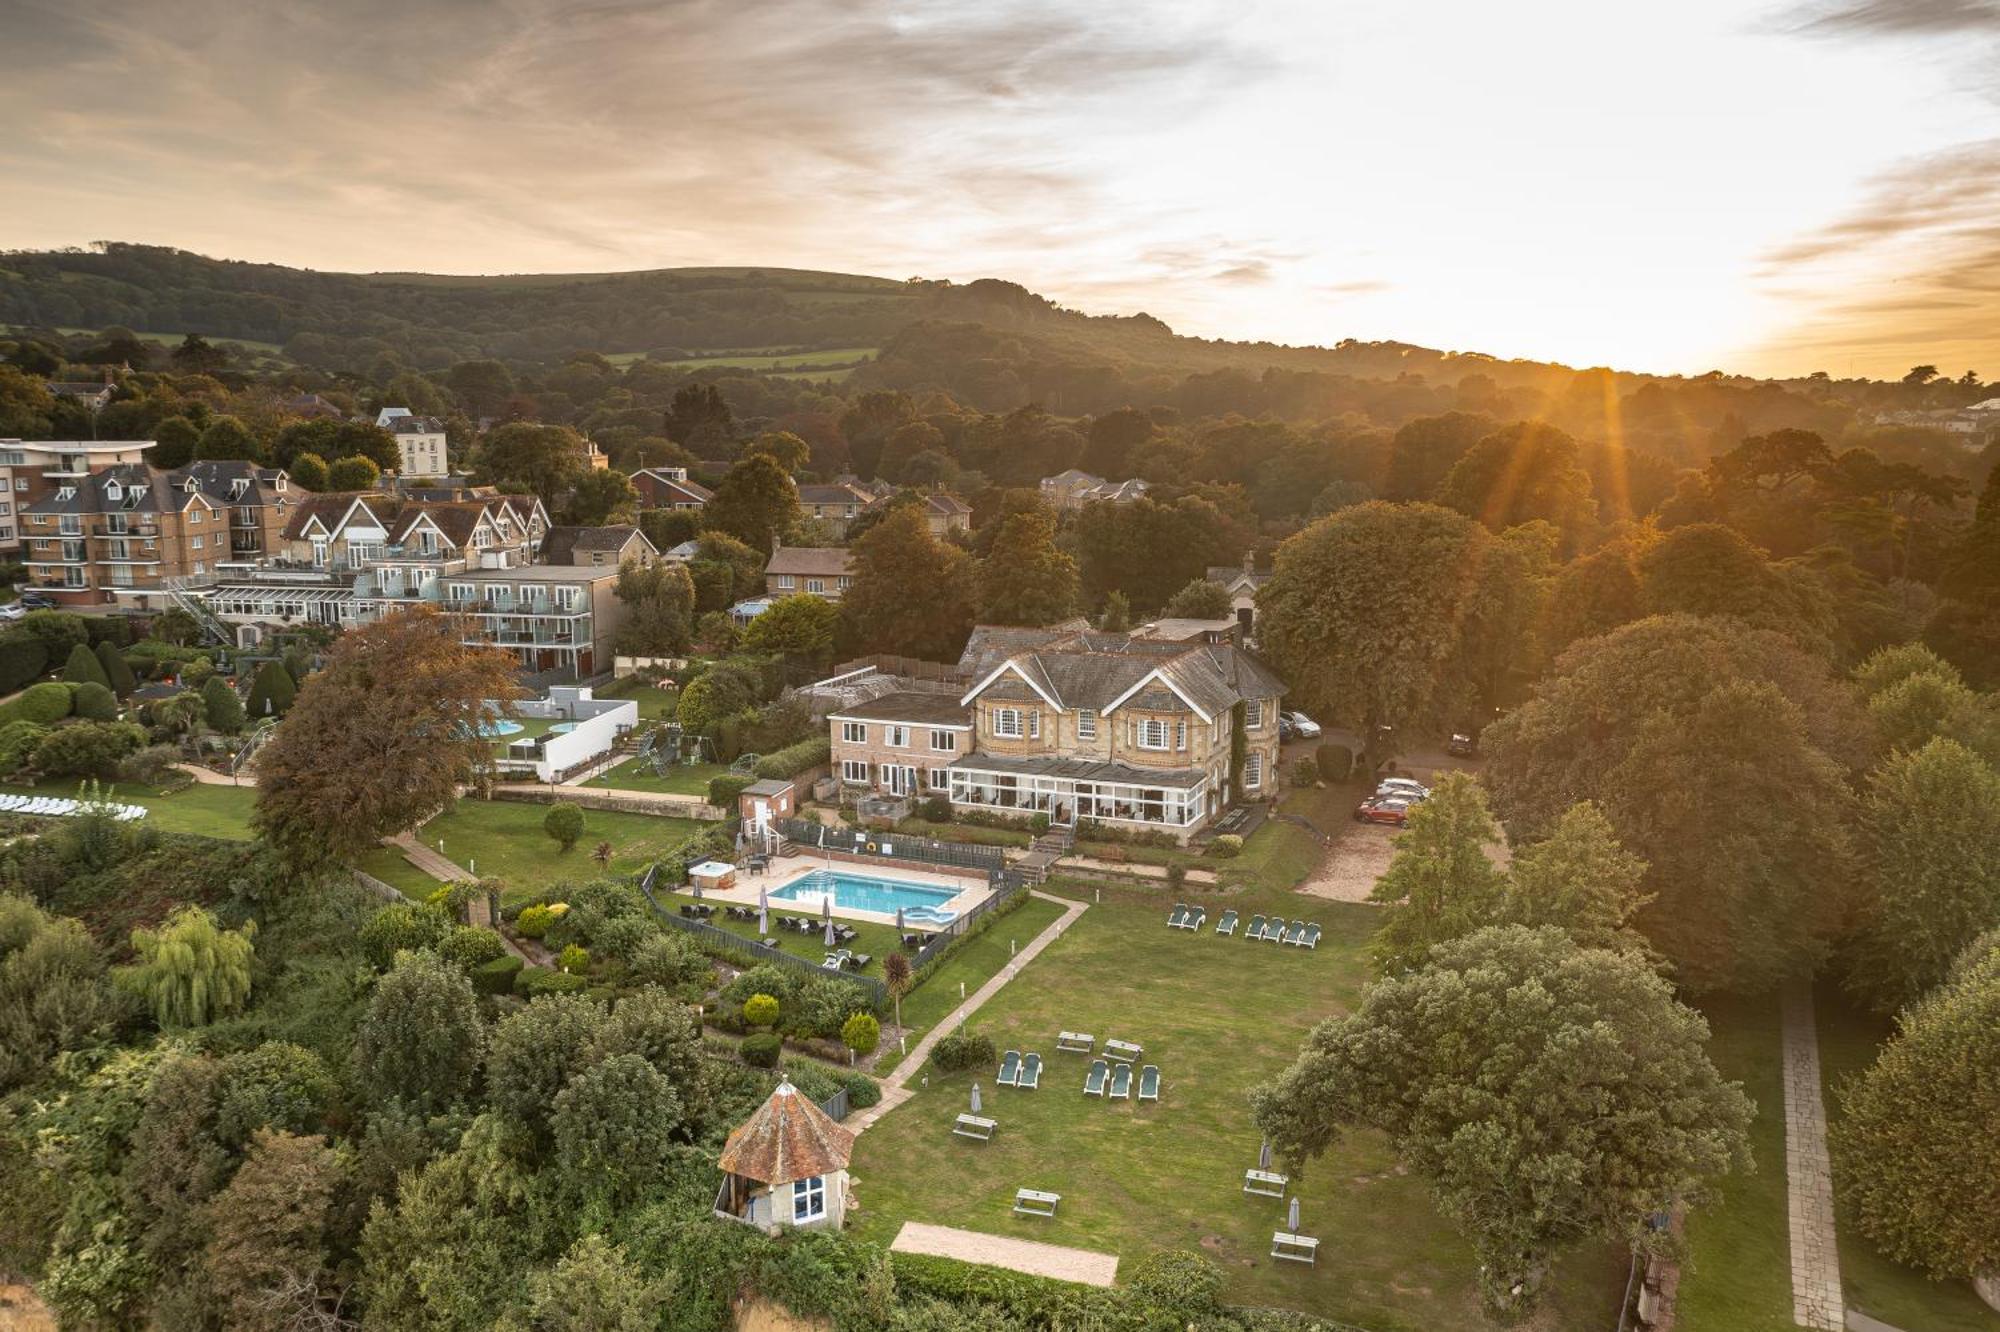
(806, 360)
(636, 774)
(531, 728)
(1218, 1015)
(878, 941)
(207, 811)
(655, 703)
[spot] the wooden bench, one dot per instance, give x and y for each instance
(972, 1126)
(1294, 1248)
(1123, 1051)
(1075, 1042)
(1029, 1202)
(1265, 1184)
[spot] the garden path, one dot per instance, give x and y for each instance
(210, 777)
(1817, 1300)
(1019, 1255)
(895, 1087)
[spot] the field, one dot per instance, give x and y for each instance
(1218, 1015)
(805, 360)
(172, 340)
(207, 811)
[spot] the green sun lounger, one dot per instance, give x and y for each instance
(1121, 1083)
(1296, 933)
(1010, 1069)
(1310, 939)
(1093, 1081)
(1178, 916)
(1031, 1073)
(1227, 925)
(1149, 1083)
(1275, 931)
(1255, 929)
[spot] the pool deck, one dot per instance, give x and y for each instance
(969, 889)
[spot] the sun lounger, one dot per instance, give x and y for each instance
(1227, 925)
(1121, 1082)
(1030, 1202)
(860, 961)
(1122, 1050)
(1093, 1081)
(1177, 918)
(1149, 1083)
(1197, 920)
(1275, 931)
(1031, 1073)
(1296, 933)
(1010, 1069)
(1255, 929)
(1310, 938)
(1075, 1042)
(972, 1126)
(1265, 1183)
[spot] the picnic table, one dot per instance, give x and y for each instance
(1123, 1051)
(1265, 1183)
(972, 1126)
(1294, 1248)
(1075, 1042)
(1032, 1202)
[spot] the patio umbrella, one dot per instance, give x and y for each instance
(763, 911)
(1264, 1155)
(975, 1098)
(829, 933)
(899, 922)
(1292, 1217)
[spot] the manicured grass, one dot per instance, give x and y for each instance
(1282, 855)
(1738, 1274)
(505, 838)
(878, 941)
(971, 964)
(637, 775)
(1900, 1296)
(655, 704)
(207, 811)
(387, 864)
(1218, 1015)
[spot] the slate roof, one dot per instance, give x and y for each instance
(562, 543)
(833, 494)
(415, 425)
(789, 1138)
(143, 488)
(1087, 669)
(693, 490)
(1082, 770)
(329, 507)
(812, 561)
(913, 708)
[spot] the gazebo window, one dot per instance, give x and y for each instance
(809, 1199)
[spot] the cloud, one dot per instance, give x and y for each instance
(1909, 17)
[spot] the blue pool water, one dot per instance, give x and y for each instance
(562, 728)
(493, 730)
(921, 904)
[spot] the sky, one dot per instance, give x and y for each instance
(1674, 188)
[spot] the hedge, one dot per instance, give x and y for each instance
(724, 787)
(761, 1050)
(46, 702)
(795, 759)
(534, 981)
(497, 976)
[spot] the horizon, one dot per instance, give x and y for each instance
(1519, 188)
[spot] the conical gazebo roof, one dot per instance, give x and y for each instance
(789, 1138)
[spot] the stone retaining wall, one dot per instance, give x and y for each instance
(666, 806)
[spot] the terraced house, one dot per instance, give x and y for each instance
(1076, 725)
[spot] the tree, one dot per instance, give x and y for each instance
(1424, 451)
(786, 449)
(481, 387)
(353, 473)
(379, 738)
(419, 1044)
(595, 1288)
(911, 593)
(224, 709)
(1592, 594)
(542, 460)
(272, 1228)
(1439, 885)
(1709, 569)
(1149, 550)
(23, 658)
(195, 356)
(1527, 471)
(1918, 1160)
(659, 604)
(535, 1051)
(601, 496)
(1114, 439)
(88, 749)
(54, 992)
(564, 824)
(309, 471)
(1023, 578)
(271, 691)
(1547, 1093)
(1116, 617)
(1581, 881)
(801, 627)
(190, 970)
(227, 438)
(613, 1124)
(116, 672)
(1202, 599)
(861, 1033)
(83, 667)
(699, 418)
(658, 1028)
(1930, 836)
(755, 501)
(1365, 612)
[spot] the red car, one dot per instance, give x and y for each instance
(1392, 810)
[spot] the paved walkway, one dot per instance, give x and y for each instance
(1030, 1256)
(895, 1087)
(1817, 1301)
(210, 777)
(429, 860)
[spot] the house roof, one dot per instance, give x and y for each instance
(329, 508)
(562, 543)
(1088, 669)
(1073, 476)
(415, 425)
(836, 493)
(694, 490)
(788, 1138)
(69, 389)
(813, 561)
(768, 786)
(1083, 770)
(143, 488)
(913, 708)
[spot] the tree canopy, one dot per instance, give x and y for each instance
(911, 594)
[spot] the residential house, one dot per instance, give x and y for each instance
(421, 446)
(1076, 724)
(598, 547)
(943, 513)
(388, 416)
(1977, 420)
(669, 488)
(129, 531)
(553, 618)
(1179, 630)
(312, 407)
(1075, 488)
(32, 469)
(824, 571)
(1241, 582)
(92, 394)
(839, 502)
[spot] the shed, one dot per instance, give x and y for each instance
(786, 1165)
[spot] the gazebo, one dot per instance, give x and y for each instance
(786, 1165)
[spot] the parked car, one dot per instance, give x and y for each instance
(1304, 727)
(1408, 787)
(1460, 745)
(12, 611)
(1392, 810)
(32, 600)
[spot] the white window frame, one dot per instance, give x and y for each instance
(897, 737)
(1035, 725)
(854, 771)
(1086, 723)
(944, 742)
(1144, 729)
(939, 779)
(785, 582)
(1180, 735)
(1253, 714)
(808, 1199)
(815, 585)
(854, 733)
(1253, 772)
(1007, 724)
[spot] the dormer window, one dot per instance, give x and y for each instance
(238, 486)
(66, 493)
(113, 491)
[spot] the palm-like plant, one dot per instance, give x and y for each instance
(602, 855)
(897, 975)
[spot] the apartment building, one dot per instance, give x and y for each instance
(421, 446)
(125, 532)
(1076, 724)
(557, 618)
(32, 469)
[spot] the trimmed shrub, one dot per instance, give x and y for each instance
(18, 741)
(534, 921)
(760, 1010)
(23, 657)
(272, 692)
(223, 708)
(471, 946)
(88, 749)
(574, 959)
(1038, 824)
(935, 809)
(1182, 1286)
(533, 982)
(1335, 762)
(497, 976)
(564, 823)
(668, 960)
(399, 927)
(963, 1049)
(761, 1050)
(83, 667)
(1176, 876)
(1226, 846)
(95, 702)
(116, 672)
(1305, 771)
(46, 703)
(724, 787)
(795, 759)
(861, 1033)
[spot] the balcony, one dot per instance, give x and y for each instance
(128, 530)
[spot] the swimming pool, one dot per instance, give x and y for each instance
(562, 728)
(493, 730)
(921, 904)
